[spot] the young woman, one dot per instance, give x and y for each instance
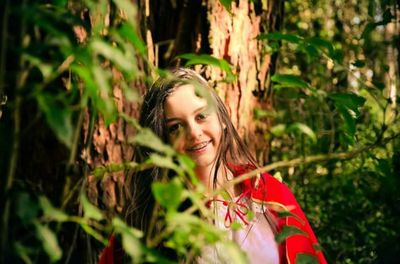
(186, 113)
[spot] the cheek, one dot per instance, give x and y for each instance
(178, 143)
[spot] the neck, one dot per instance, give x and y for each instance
(207, 174)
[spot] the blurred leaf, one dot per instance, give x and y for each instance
(290, 214)
(23, 252)
(323, 45)
(121, 227)
(92, 232)
(45, 68)
(303, 128)
(303, 258)
(349, 101)
(128, 8)
(281, 36)
(50, 211)
(278, 130)
(132, 246)
(288, 231)
(130, 239)
(348, 105)
(187, 164)
(359, 63)
(168, 195)
(288, 80)
(145, 137)
(311, 51)
(227, 4)
(90, 211)
(58, 117)
(113, 53)
(27, 208)
(261, 113)
(386, 19)
(163, 162)
(130, 33)
(349, 121)
(194, 59)
(233, 253)
(49, 241)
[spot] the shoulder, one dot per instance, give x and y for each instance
(268, 189)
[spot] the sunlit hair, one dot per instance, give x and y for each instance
(232, 149)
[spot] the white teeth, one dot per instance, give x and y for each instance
(199, 146)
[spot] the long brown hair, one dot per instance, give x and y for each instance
(232, 149)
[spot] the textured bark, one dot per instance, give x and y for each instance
(109, 143)
(207, 27)
(233, 38)
(175, 27)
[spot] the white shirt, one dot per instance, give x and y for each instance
(255, 237)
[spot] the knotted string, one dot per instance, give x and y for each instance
(237, 206)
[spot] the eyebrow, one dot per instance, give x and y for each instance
(201, 108)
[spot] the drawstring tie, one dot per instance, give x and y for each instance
(237, 206)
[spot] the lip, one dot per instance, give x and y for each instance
(198, 148)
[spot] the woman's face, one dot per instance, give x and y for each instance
(193, 126)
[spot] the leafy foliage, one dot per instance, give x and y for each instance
(333, 94)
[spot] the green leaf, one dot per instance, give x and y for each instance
(302, 258)
(281, 36)
(50, 211)
(114, 54)
(290, 214)
(90, 211)
(348, 105)
(288, 231)
(163, 162)
(128, 8)
(232, 253)
(261, 113)
(349, 101)
(58, 117)
(386, 19)
(205, 59)
(27, 209)
(349, 118)
(121, 227)
(322, 45)
(92, 232)
(278, 130)
(303, 128)
(49, 242)
(187, 165)
(45, 68)
(129, 32)
(359, 63)
(23, 252)
(146, 137)
(227, 4)
(168, 195)
(288, 80)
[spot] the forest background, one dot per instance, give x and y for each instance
(316, 84)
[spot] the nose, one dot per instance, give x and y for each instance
(193, 131)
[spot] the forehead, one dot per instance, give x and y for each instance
(184, 100)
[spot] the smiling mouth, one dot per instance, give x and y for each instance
(198, 147)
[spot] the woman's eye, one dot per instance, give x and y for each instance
(174, 128)
(202, 116)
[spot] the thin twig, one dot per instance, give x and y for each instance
(308, 159)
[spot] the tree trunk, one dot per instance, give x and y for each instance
(207, 27)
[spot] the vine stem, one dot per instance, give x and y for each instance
(15, 145)
(308, 159)
(294, 163)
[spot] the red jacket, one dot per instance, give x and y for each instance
(279, 198)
